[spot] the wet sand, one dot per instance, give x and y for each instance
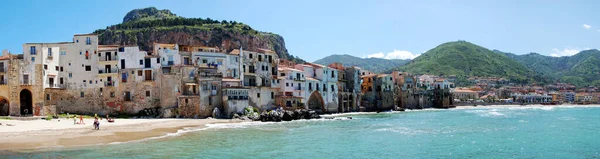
(41, 134)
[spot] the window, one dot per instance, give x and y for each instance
(45, 67)
(88, 41)
(25, 79)
(139, 72)
(250, 56)
(100, 89)
(81, 94)
(220, 62)
(32, 59)
(32, 50)
(186, 101)
(141, 62)
(88, 68)
(332, 74)
(287, 84)
(204, 61)
(147, 93)
(63, 52)
(258, 95)
(61, 69)
(70, 75)
(112, 94)
(157, 60)
(272, 95)
(259, 58)
(57, 68)
(47, 96)
(127, 96)
(49, 52)
(332, 89)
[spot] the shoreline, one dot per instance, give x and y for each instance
(42, 135)
(32, 136)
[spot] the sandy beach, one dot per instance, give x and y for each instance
(40, 134)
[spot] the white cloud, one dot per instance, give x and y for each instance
(396, 54)
(586, 26)
(566, 51)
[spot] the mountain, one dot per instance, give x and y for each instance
(581, 69)
(143, 27)
(462, 58)
(372, 64)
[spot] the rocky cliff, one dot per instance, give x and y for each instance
(146, 26)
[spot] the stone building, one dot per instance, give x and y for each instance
(324, 97)
(348, 86)
(378, 92)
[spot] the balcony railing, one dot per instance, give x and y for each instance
(211, 75)
(109, 83)
(114, 70)
(54, 85)
(108, 58)
(170, 63)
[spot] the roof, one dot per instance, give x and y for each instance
(234, 52)
(230, 80)
(314, 64)
(261, 50)
(287, 68)
(371, 75)
(311, 79)
(108, 46)
(464, 91)
(91, 34)
(48, 43)
(382, 75)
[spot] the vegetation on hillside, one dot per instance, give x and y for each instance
(377, 65)
(582, 69)
(465, 59)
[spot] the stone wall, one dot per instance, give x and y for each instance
(189, 107)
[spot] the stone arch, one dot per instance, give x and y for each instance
(26, 107)
(316, 102)
(4, 106)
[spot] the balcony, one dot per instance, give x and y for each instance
(108, 58)
(211, 75)
(54, 85)
(171, 63)
(109, 83)
(106, 71)
(296, 79)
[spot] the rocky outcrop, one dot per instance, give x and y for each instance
(144, 27)
(287, 115)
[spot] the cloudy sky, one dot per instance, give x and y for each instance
(313, 29)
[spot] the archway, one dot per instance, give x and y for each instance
(4, 107)
(315, 102)
(26, 103)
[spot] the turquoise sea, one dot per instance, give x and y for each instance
(481, 132)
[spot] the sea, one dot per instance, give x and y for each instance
(473, 132)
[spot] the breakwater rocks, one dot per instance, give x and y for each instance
(279, 115)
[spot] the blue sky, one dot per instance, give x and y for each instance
(313, 29)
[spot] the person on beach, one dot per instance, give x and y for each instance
(96, 124)
(81, 119)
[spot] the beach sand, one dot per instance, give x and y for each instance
(40, 134)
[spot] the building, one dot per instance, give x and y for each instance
(378, 92)
(465, 94)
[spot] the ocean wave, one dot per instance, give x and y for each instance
(487, 113)
(402, 130)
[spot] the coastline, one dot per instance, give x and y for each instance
(39, 135)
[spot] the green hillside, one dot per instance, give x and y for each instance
(377, 65)
(582, 69)
(466, 59)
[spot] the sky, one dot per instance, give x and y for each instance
(313, 29)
